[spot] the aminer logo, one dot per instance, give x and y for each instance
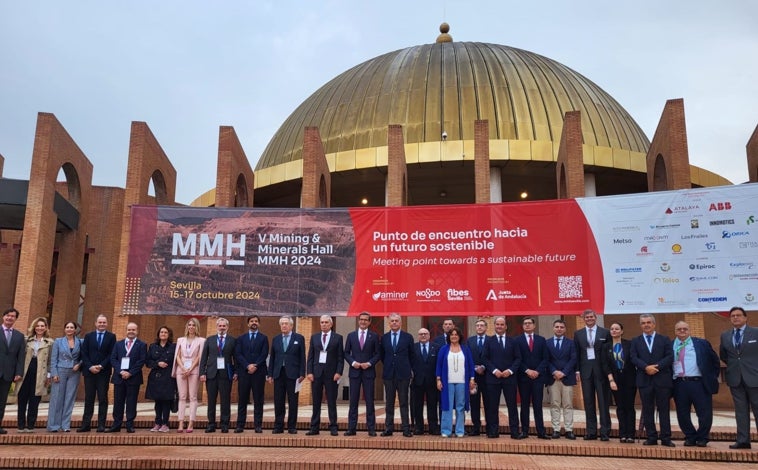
(389, 296)
(212, 247)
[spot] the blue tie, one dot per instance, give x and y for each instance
(481, 343)
(737, 338)
(649, 340)
(394, 341)
(99, 339)
(286, 342)
(423, 351)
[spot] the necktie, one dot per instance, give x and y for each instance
(394, 341)
(618, 355)
(8, 336)
(649, 339)
(323, 341)
(286, 340)
(220, 343)
(591, 339)
(250, 336)
(129, 346)
(481, 343)
(531, 343)
(99, 339)
(737, 338)
(362, 341)
(680, 351)
(423, 351)
(558, 344)
(502, 342)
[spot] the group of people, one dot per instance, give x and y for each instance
(446, 377)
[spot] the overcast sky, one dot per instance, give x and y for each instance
(187, 67)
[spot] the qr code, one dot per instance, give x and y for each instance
(570, 287)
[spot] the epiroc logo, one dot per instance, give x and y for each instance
(699, 266)
(720, 206)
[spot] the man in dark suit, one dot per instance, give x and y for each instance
(531, 377)
(127, 359)
(96, 348)
(250, 354)
(739, 350)
(561, 380)
(653, 355)
(424, 384)
(287, 370)
(12, 357)
(476, 345)
(362, 354)
(447, 325)
(696, 371)
(397, 354)
(217, 371)
(502, 361)
(589, 342)
(326, 361)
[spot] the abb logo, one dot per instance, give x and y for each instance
(720, 206)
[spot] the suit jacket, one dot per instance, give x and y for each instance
(397, 361)
(370, 353)
(248, 352)
(586, 367)
(93, 355)
(626, 376)
(335, 356)
(708, 363)
(741, 364)
(12, 356)
(183, 353)
(563, 360)
(495, 357)
(63, 357)
(537, 359)
(440, 340)
(209, 357)
(292, 360)
(424, 370)
(137, 357)
(662, 354)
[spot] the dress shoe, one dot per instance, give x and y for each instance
(225, 429)
(238, 430)
(349, 433)
(495, 436)
(334, 432)
(689, 443)
(371, 433)
(556, 435)
(83, 429)
(3, 431)
(210, 429)
(740, 445)
(130, 430)
(101, 429)
(516, 436)
(650, 442)
(524, 435)
(277, 431)
(386, 433)
(312, 432)
(418, 432)
(475, 433)
(258, 429)
(590, 437)
(292, 431)
(604, 438)
(407, 434)
(113, 429)
(544, 436)
(570, 435)
(667, 443)
(701, 443)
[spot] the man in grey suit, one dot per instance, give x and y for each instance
(326, 361)
(739, 350)
(12, 357)
(287, 369)
(217, 371)
(589, 342)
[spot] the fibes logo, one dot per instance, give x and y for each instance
(699, 266)
(726, 234)
(720, 206)
(622, 241)
(708, 300)
(215, 249)
(389, 296)
(457, 295)
(428, 294)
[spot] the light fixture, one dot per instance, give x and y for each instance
(364, 201)
(524, 195)
(443, 193)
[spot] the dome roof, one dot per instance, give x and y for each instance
(446, 86)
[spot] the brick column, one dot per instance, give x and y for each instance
(397, 169)
(306, 326)
(569, 170)
(235, 179)
(668, 163)
(482, 161)
(752, 157)
(317, 180)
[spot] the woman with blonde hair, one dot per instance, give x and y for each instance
(36, 366)
(187, 372)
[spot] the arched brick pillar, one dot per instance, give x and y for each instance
(396, 191)
(317, 180)
(147, 162)
(482, 161)
(569, 170)
(752, 156)
(235, 178)
(54, 149)
(670, 144)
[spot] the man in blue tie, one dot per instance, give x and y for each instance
(478, 398)
(561, 380)
(96, 350)
(739, 350)
(396, 349)
(287, 369)
(653, 356)
(250, 353)
(424, 385)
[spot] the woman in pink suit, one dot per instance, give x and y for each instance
(186, 371)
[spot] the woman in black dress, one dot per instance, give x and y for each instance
(617, 365)
(161, 387)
